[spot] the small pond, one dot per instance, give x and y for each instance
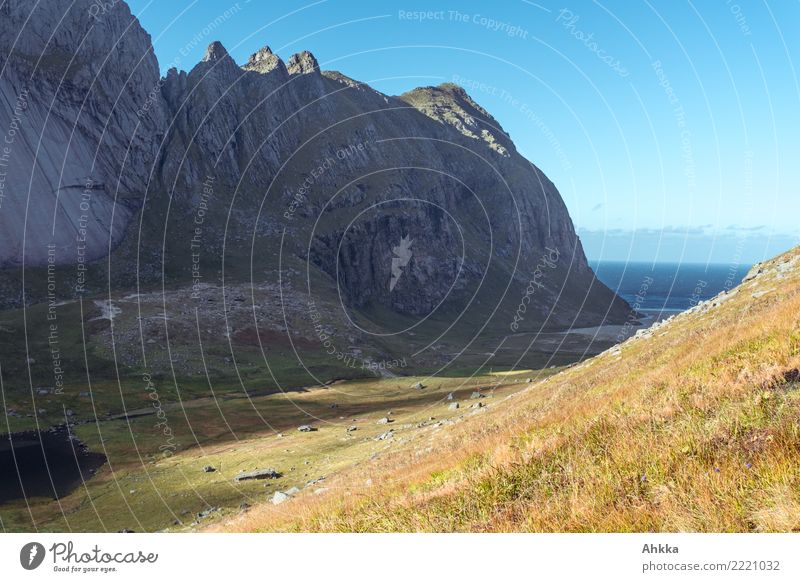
(49, 463)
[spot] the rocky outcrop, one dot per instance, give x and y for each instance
(416, 204)
(449, 103)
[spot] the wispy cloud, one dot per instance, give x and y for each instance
(736, 227)
(704, 230)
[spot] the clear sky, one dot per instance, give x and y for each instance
(670, 127)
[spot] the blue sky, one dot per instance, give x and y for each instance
(671, 128)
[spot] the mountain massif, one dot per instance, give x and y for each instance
(236, 173)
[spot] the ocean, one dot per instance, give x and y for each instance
(663, 289)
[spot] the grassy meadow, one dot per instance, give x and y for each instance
(693, 426)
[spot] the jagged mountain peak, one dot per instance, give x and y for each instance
(215, 52)
(264, 61)
(302, 63)
(217, 63)
(263, 54)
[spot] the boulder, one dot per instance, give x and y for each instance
(257, 474)
(385, 436)
(279, 497)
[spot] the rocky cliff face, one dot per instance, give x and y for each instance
(77, 156)
(418, 204)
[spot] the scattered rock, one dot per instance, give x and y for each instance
(450, 396)
(419, 386)
(385, 420)
(477, 405)
(352, 428)
(206, 513)
(209, 469)
(453, 406)
(475, 395)
(306, 428)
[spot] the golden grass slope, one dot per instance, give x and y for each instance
(693, 427)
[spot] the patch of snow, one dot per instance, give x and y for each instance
(107, 310)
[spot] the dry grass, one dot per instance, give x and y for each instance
(696, 428)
